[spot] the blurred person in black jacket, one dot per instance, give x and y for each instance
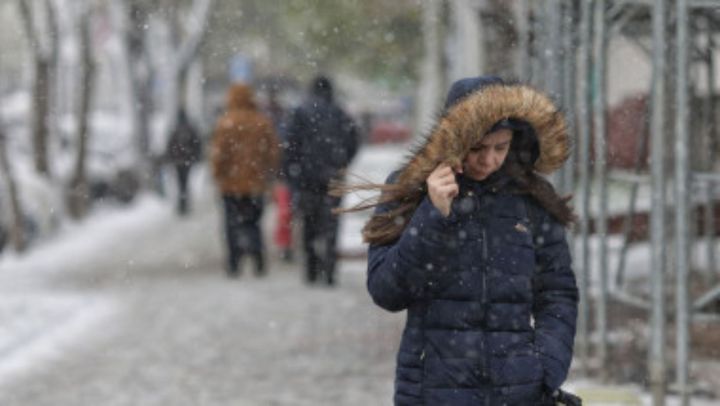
(183, 151)
(321, 140)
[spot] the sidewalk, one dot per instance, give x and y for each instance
(149, 318)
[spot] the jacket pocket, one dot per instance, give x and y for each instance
(516, 368)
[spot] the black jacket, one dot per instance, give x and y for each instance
(321, 141)
(491, 300)
(184, 147)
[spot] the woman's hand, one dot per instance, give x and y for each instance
(442, 187)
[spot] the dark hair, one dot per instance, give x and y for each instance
(525, 146)
(519, 165)
(322, 87)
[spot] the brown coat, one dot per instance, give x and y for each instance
(244, 151)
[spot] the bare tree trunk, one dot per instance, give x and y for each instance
(78, 193)
(52, 101)
(43, 57)
(467, 38)
(141, 71)
(432, 77)
(41, 97)
(188, 49)
(17, 231)
(522, 24)
(500, 37)
(144, 67)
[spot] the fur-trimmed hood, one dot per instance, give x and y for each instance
(469, 115)
(466, 122)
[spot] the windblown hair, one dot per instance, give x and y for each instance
(458, 130)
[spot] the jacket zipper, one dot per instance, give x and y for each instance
(483, 266)
(484, 301)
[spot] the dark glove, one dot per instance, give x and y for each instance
(566, 398)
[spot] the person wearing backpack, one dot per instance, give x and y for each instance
(321, 140)
(469, 239)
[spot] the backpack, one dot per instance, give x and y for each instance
(328, 146)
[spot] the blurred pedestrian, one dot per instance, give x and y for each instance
(469, 238)
(283, 220)
(244, 156)
(322, 140)
(275, 110)
(282, 235)
(183, 150)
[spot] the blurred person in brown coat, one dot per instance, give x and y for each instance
(244, 157)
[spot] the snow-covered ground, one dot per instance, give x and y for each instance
(131, 307)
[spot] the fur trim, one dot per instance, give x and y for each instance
(464, 124)
(469, 120)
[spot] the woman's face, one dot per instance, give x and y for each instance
(488, 155)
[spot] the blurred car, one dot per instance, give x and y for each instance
(385, 131)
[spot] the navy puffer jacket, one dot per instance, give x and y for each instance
(490, 295)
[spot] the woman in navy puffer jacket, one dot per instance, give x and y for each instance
(470, 240)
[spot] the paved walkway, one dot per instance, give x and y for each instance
(150, 319)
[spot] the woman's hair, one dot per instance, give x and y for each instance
(399, 202)
(519, 166)
(395, 202)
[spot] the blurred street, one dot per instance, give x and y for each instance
(146, 316)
